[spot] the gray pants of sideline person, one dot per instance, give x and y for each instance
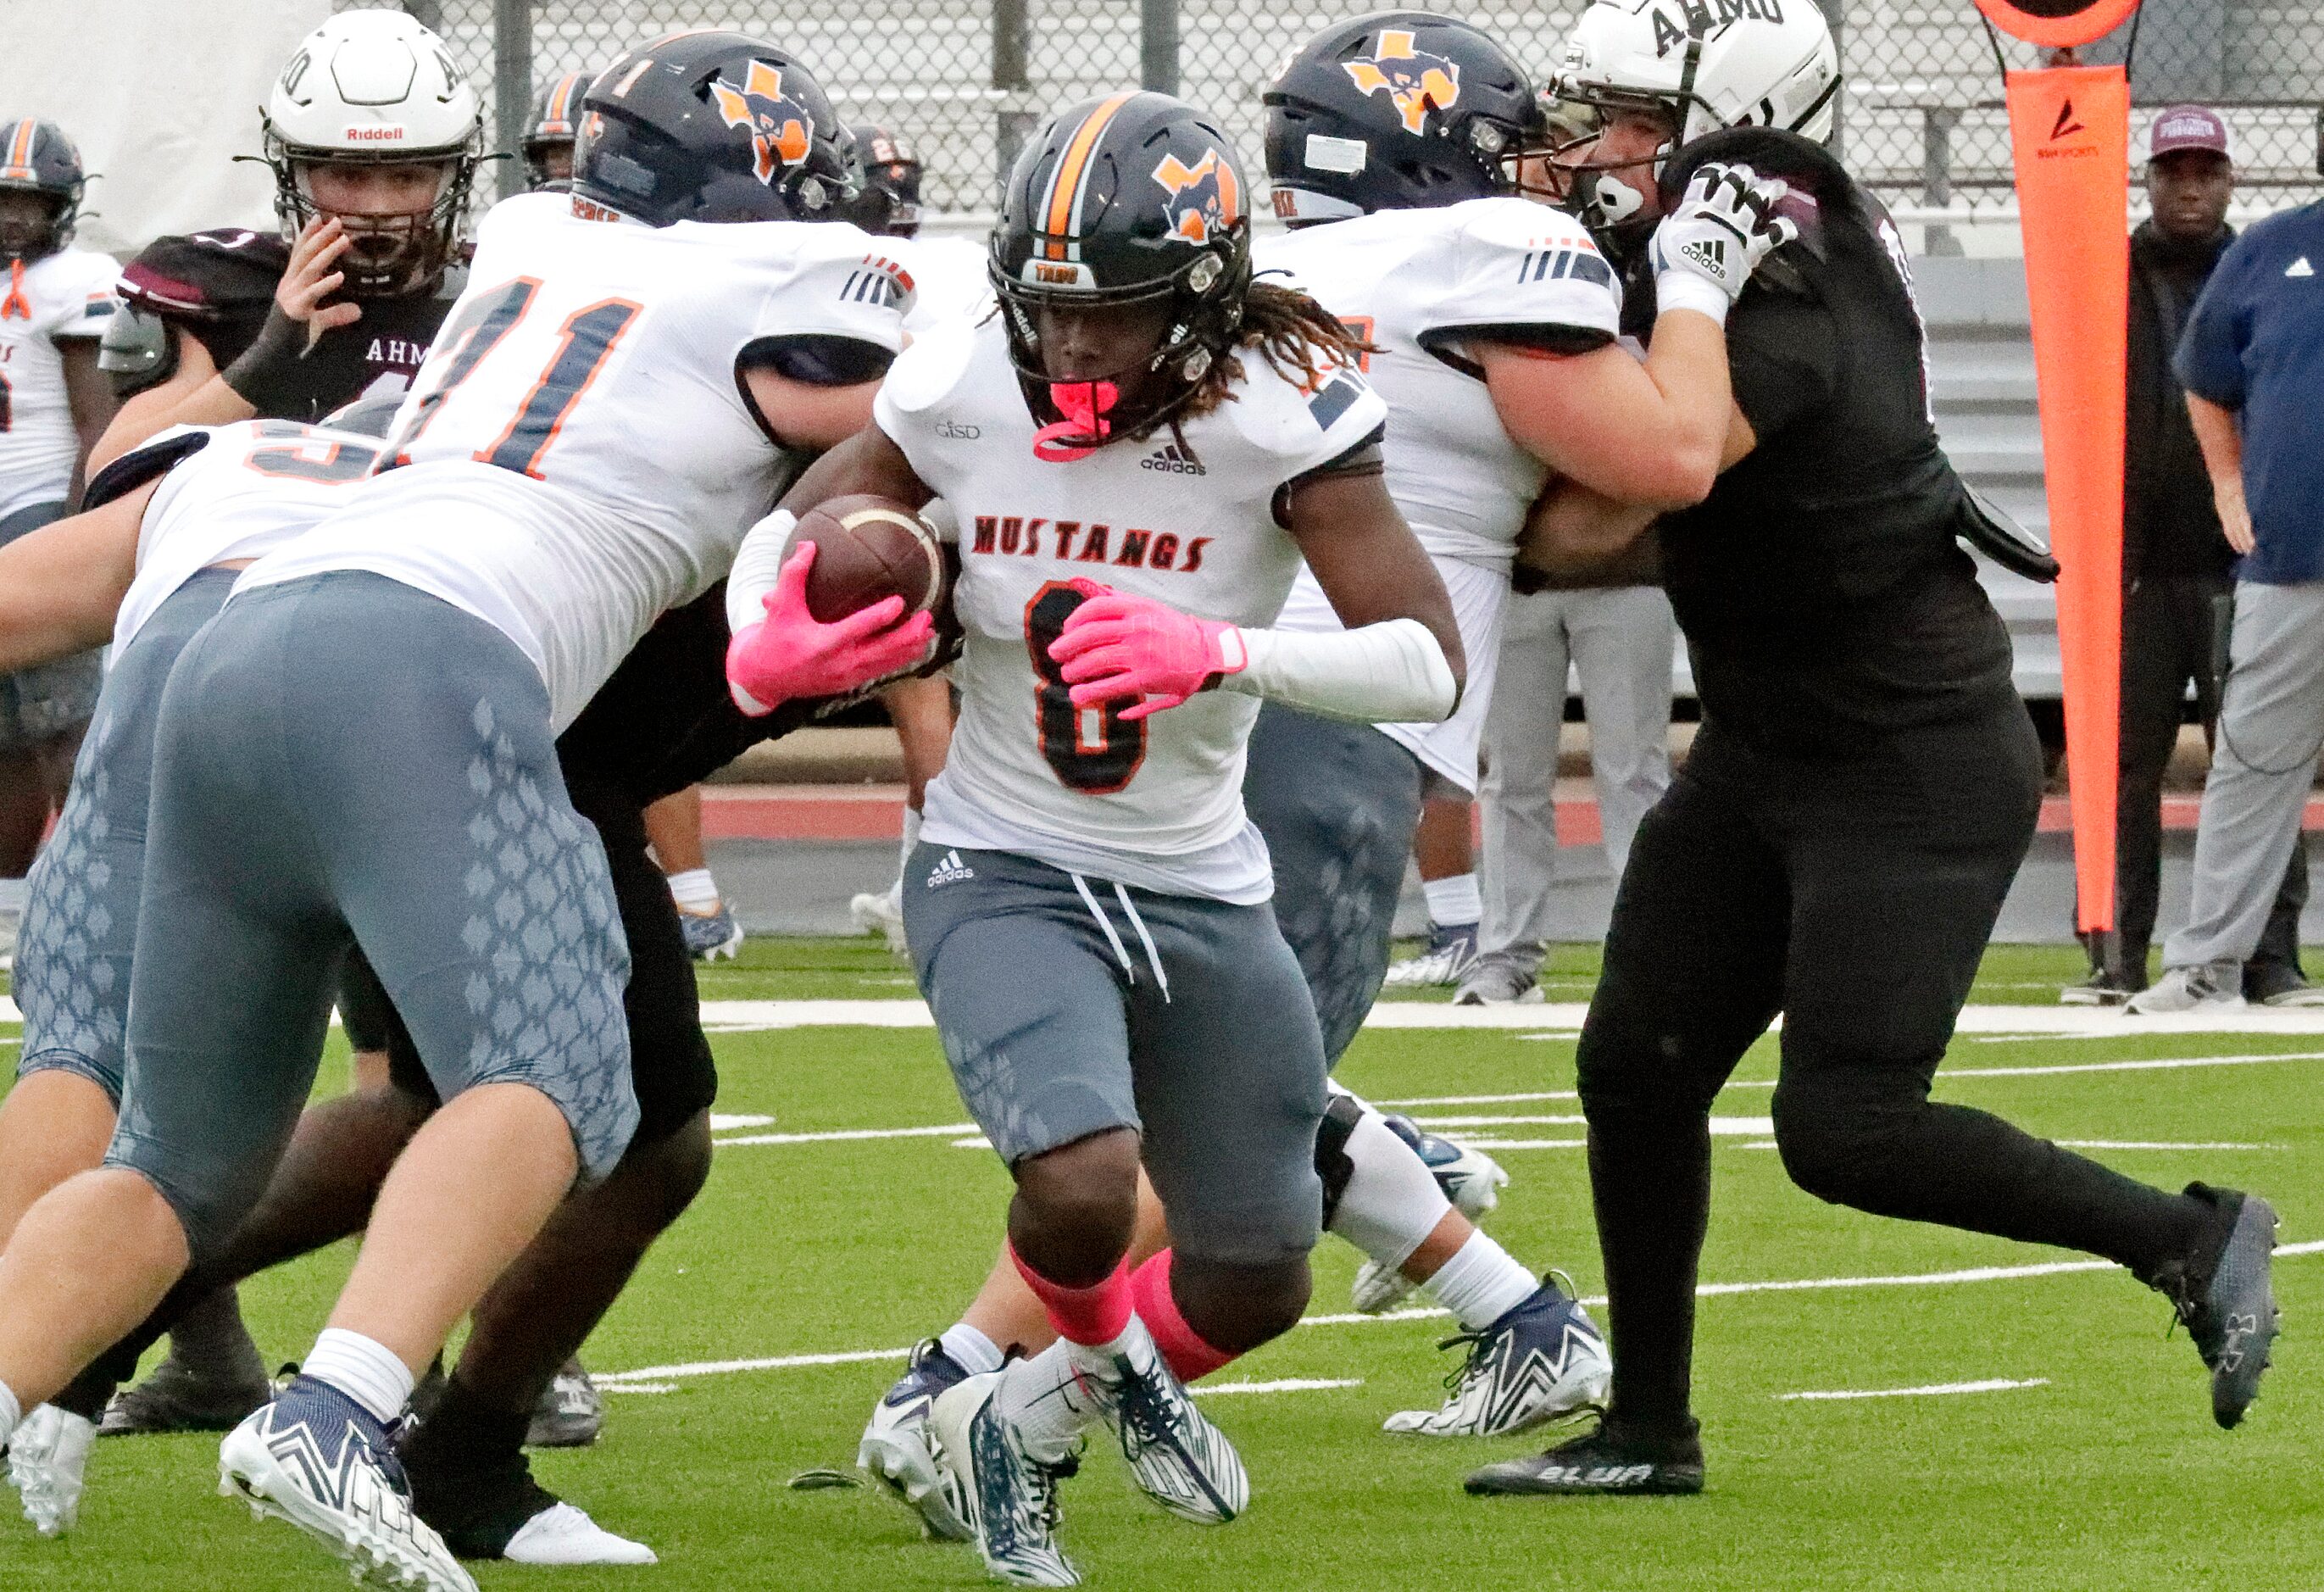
(2262, 767)
(1618, 642)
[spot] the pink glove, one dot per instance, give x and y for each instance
(1115, 645)
(788, 654)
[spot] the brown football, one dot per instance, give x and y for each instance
(868, 547)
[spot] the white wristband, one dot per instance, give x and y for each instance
(1392, 672)
(1679, 289)
(757, 562)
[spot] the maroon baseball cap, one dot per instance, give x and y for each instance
(2188, 126)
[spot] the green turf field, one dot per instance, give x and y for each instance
(2105, 1472)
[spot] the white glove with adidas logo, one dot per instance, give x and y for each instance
(1706, 249)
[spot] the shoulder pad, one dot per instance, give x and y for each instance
(206, 274)
(1517, 223)
(135, 351)
(148, 462)
(925, 374)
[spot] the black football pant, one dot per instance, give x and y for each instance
(1854, 895)
(2167, 632)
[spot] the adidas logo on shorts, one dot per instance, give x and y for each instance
(949, 870)
(1171, 459)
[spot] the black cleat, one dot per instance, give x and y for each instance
(1600, 1461)
(2232, 1316)
(180, 1398)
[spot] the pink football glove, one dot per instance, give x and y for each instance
(1115, 645)
(788, 654)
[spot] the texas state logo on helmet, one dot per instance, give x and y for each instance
(712, 126)
(1415, 81)
(777, 123)
(1398, 110)
(1205, 198)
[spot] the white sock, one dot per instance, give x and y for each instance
(11, 1412)
(1481, 1283)
(1453, 901)
(696, 891)
(911, 838)
(1042, 1397)
(367, 1370)
(969, 1348)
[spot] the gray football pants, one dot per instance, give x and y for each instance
(1620, 643)
(2262, 767)
(345, 760)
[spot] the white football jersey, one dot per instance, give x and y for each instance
(577, 455)
(247, 489)
(1157, 801)
(949, 280)
(66, 294)
(1417, 284)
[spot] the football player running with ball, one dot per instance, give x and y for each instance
(1864, 786)
(1087, 910)
(1492, 323)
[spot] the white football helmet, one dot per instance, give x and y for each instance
(1730, 63)
(375, 88)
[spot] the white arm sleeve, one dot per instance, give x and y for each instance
(1392, 672)
(757, 562)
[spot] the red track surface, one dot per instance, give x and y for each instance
(876, 812)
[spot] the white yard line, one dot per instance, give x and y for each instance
(835, 1135)
(2063, 1144)
(1933, 1391)
(661, 1373)
(1559, 1021)
(1285, 1385)
(1484, 1099)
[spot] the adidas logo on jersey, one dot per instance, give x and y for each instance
(949, 870)
(1174, 460)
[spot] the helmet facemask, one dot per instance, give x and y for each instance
(392, 253)
(39, 231)
(1571, 170)
(1204, 311)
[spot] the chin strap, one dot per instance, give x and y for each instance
(1084, 405)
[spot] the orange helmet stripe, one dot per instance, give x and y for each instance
(561, 98)
(20, 147)
(1073, 173)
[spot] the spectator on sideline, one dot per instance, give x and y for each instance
(2177, 566)
(2251, 361)
(1620, 644)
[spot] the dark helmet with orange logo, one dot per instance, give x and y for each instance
(550, 126)
(890, 201)
(1134, 198)
(1398, 110)
(712, 127)
(36, 157)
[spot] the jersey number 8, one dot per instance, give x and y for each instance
(1093, 750)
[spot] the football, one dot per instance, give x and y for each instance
(868, 547)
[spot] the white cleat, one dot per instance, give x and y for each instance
(1471, 1180)
(304, 1459)
(1178, 1458)
(562, 1534)
(1543, 1361)
(895, 1449)
(882, 914)
(48, 1465)
(1009, 1498)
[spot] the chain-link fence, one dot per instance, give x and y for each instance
(964, 80)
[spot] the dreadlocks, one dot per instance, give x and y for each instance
(1298, 337)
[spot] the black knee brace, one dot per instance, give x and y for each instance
(1342, 1113)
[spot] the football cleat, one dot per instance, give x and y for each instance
(1178, 1458)
(181, 1398)
(712, 936)
(1007, 1498)
(2233, 1319)
(1601, 1461)
(1502, 978)
(317, 1459)
(1541, 1362)
(2189, 989)
(895, 1447)
(562, 1534)
(570, 1413)
(48, 1465)
(1450, 949)
(1471, 1180)
(882, 914)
